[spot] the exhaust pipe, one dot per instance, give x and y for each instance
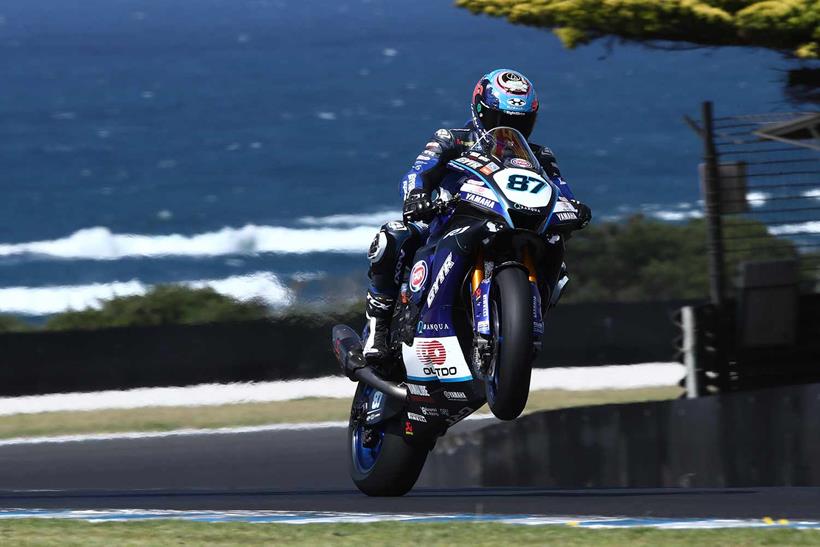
(348, 349)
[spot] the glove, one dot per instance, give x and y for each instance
(417, 206)
(584, 213)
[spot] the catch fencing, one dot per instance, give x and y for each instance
(760, 181)
(761, 184)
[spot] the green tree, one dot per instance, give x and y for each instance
(641, 259)
(163, 305)
(10, 323)
(789, 26)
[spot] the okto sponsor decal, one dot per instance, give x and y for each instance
(418, 275)
(435, 358)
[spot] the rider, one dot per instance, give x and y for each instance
(502, 98)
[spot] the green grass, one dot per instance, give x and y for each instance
(62, 532)
(300, 410)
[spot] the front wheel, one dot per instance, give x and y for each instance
(508, 383)
(382, 463)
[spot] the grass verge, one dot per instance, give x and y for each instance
(296, 411)
(61, 532)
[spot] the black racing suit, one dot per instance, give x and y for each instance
(398, 241)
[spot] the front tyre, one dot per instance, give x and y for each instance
(382, 463)
(508, 383)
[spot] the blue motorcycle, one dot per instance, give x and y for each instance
(469, 320)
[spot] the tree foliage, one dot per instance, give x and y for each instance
(10, 323)
(163, 305)
(791, 26)
(641, 259)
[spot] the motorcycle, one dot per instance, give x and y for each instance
(469, 319)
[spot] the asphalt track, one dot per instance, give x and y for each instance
(306, 471)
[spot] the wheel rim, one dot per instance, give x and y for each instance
(492, 379)
(364, 458)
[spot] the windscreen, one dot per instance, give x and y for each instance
(508, 147)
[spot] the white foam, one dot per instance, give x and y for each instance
(370, 219)
(59, 298)
(574, 379)
(811, 227)
(100, 243)
(813, 193)
(757, 199)
(676, 216)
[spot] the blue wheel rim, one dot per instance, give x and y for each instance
(364, 457)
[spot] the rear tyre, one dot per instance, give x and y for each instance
(382, 463)
(508, 384)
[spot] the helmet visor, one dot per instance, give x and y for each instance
(522, 121)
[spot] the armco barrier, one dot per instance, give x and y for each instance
(118, 358)
(754, 438)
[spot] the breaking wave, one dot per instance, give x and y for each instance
(374, 219)
(59, 298)
(100, 243)
(811, 227)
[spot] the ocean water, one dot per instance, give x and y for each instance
(256, 145)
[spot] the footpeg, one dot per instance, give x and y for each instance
(348, 349)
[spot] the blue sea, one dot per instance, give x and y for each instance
(256, 145)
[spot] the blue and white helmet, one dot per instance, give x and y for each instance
(504, 98)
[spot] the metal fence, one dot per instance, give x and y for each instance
(760, 180)
(761, 185)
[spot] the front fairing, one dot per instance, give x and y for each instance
(501, 176)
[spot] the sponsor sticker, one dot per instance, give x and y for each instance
(442, 274)
(418, 275)
(489, 169)
(474, 182)
(429, 411)
(480, 190)
(435, 359)
(512, 82)
(396, 225)
(484, 202)
(567, 216)
(520, 162)
(416, 417)
(415, 389)
(455, 395)
(432, 327)
(469, 163)
(516, 102)
(431, 352)
(563, 205)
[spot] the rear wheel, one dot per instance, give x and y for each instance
(508, 383)
(382, 463)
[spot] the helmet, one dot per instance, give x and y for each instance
(504, 98)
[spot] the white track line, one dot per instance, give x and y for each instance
(328, 517)
(131, 435)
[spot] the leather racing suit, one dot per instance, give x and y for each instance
(397, 241)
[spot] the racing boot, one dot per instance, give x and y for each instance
(379, 313)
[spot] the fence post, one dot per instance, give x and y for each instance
(689, 347)
(711, 195)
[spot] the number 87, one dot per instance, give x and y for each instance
(521, 183)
